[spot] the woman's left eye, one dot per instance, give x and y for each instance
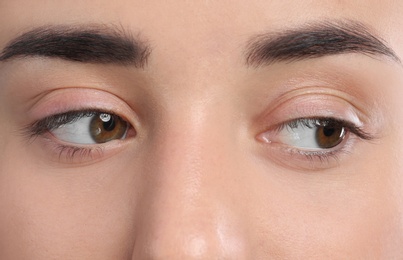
(313, 134)
(84, 127)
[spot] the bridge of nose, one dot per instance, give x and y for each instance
(187, 209)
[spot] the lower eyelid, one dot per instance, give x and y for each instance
(309, 160)
(78, 154)
(64, 153)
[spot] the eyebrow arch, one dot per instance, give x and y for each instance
(314, 41)
(87, 44)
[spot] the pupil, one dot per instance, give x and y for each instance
(328, 131)
(109, 125)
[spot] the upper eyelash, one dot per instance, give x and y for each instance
(312, 121)
(52, 122)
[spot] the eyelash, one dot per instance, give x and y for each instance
(312, 121)
(326, 154)
(52, 122)
(70, 152)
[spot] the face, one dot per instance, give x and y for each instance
(203, 129)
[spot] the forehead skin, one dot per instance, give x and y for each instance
(193, 44)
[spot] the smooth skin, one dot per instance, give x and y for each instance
(195, 180)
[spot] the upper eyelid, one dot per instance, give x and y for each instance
(81, 98)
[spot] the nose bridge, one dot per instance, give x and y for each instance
(186, 212)
(192, 139)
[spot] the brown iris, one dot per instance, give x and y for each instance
(329, 136)
(106, 127)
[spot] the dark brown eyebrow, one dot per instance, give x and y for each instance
(88, 44)
(314, 41)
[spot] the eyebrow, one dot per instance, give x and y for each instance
(87, 44)
(314, 41)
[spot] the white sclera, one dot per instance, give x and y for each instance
(300, 136)
(77, 132)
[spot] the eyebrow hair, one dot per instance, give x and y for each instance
(314, 41)
(88, 44)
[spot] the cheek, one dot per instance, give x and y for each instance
(340, 215)
(390, 169)
(51, 212)
(300, 231)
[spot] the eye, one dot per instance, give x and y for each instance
(312, 143)
(312, 134)
(91, 129)
(84, 127)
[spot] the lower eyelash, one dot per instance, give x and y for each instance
(72, 153)
(320, 159)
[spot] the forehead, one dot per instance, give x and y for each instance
(192, 13)
(206, 15)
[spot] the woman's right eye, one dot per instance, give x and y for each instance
(84, 127)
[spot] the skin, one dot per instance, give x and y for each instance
(195, 181)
